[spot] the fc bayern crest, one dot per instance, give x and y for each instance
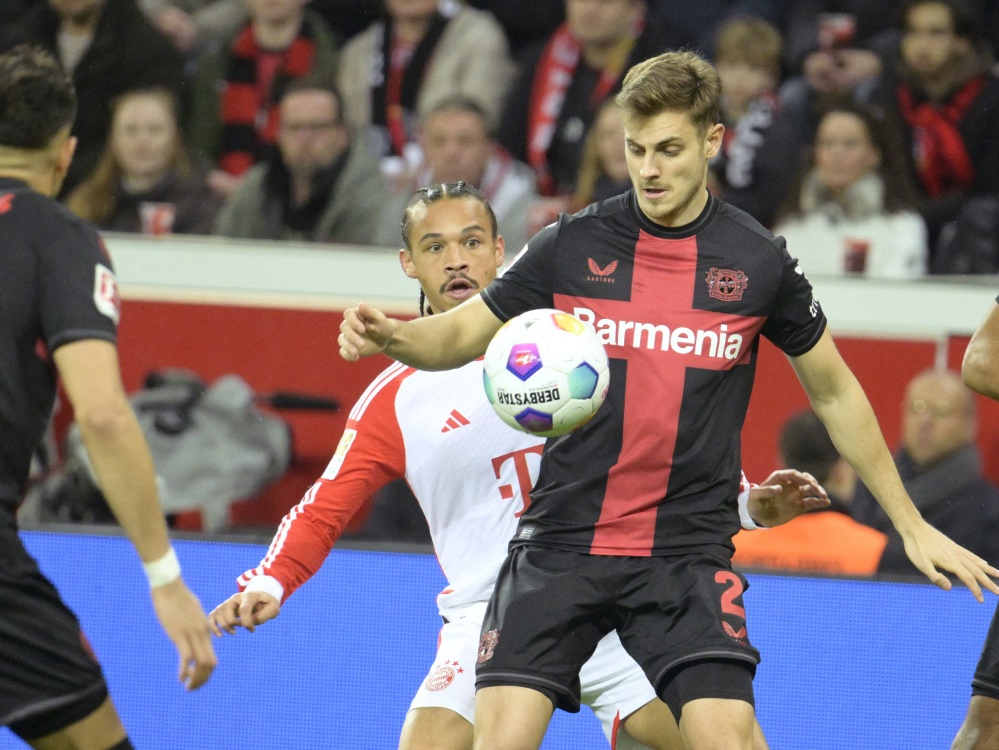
(726, 284)
(441, 677)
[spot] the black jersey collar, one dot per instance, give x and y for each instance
(12, 183)
(674, 233)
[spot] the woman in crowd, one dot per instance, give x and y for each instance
(853, 211)
(603, 170)
(145, 181)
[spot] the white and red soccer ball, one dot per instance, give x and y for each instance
(546, 372)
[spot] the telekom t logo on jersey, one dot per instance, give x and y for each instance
(523, 471)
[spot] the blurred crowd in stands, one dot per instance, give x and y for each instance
(864, 131)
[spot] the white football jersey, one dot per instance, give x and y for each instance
(470, 472)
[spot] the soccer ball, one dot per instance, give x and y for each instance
(546, 372)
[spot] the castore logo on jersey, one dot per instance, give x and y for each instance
(605, 275)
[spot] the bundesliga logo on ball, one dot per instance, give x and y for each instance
(546, 372)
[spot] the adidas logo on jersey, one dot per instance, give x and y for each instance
(711, 343)
(455, 420)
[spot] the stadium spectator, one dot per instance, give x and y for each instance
(322, 185)
(941, 468)
(564, 81)
(457, 146)
(852, 209)
(603, 170)
(236, 88)
(525, 22)
(146, 181)
(835, 49)
(420, 52)
(192, 25)
(943, 99)
(825, 541)
(980, 729)
(695, 25)
(755, 167)
(108, 47)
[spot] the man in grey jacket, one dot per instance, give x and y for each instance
(323, 185)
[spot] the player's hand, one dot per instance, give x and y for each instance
(246, 609)
(181, 616)
(785, 494)
(365, 330)
(930, 549)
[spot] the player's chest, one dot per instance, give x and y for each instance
(447, 414)
(667, 277)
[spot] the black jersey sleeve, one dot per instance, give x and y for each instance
(529, 282)
(796, 322)
(78, 293)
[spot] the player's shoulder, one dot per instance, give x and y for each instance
(612, 217)
(40, 216)
(379, 397)
(608, 210)
(746, 230)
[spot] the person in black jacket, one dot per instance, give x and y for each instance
(565, 80)
(941, 468)
(108, 47)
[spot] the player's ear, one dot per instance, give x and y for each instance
(713, 140)
(406, 261)
(64, 156)
(500, 251)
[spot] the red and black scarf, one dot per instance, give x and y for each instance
(942, 160)
(394, 91)
(555, 71)
(248, 113)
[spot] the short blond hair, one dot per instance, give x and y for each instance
(751, 41)
(672, 82)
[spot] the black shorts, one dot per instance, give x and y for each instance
(986, 679)
(49, 677)
(551, 607)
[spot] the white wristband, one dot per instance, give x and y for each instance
(163, 571)
(747, 520)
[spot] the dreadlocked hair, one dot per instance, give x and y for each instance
(432, 194)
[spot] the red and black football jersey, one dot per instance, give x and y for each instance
(57, 286)
(680, 311)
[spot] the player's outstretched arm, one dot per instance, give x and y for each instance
(980, 368)
(247, 609)
(841, 404)
(124, 469)
(785, 495)
(436, 342)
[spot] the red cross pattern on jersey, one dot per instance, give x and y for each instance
(663, 284)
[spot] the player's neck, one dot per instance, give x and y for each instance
(41, 180)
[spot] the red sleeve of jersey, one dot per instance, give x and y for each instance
(371, 453)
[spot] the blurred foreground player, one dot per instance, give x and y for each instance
(58, 319)
(471, 474)
(980, 731)
(631, 520)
